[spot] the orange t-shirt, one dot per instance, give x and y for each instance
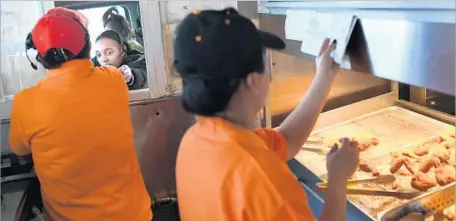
(76, 124)
(227, 173)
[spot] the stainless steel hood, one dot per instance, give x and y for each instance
(411, 42)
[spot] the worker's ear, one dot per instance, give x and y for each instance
(253, 82)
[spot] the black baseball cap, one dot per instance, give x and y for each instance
(219, 42)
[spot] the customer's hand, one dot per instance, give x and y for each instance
(126, 72)
(324, 62)
(342, 162)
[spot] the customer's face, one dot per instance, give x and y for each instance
(109, 52)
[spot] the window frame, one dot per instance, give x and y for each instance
(147, 12)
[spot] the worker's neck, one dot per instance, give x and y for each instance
(240, 117)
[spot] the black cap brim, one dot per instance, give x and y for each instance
(271, 40)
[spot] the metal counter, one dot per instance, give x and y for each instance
(315, 199)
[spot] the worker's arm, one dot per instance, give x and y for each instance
(341, 164)
(335, 203)
(139, 74)
(299, 124)
(19, 142)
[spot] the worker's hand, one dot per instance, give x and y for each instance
(324, 62)
(342, 162)
(126, 72)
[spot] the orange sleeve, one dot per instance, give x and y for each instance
(275, 141)
(19, 142)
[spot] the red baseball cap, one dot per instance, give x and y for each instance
(60, 28)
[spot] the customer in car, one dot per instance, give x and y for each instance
(111, 49)
(241, 171)
(112, 20)
(76, 124)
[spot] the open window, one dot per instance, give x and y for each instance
(95, 21)
(124, 19)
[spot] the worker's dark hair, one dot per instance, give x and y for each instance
(112, 15)
(57, 56)
(115, 37)
(209, 96)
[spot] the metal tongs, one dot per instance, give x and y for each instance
(316, 146)
(383, 179)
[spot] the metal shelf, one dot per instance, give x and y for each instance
(418, 11)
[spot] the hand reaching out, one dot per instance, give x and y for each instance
(324, 62)
(126, 72)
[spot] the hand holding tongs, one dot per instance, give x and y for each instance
(383, 179)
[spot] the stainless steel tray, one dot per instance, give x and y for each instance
(426, 204)
(374, 205)
(395, 127)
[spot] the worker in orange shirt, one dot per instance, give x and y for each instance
(76, 124)
(226, 169)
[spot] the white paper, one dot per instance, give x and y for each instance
(293, 24)
(317, 26)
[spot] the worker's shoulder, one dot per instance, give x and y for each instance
(24, 95)
(24, 100)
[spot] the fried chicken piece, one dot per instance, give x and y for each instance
(448, 144)
(366, 167)
(445, 175)
(396, 164)
(441, 152)
(364, 140)
(422, 182)
(429, 162)
(421, 150)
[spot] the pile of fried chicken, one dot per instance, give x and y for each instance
(430, 164)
